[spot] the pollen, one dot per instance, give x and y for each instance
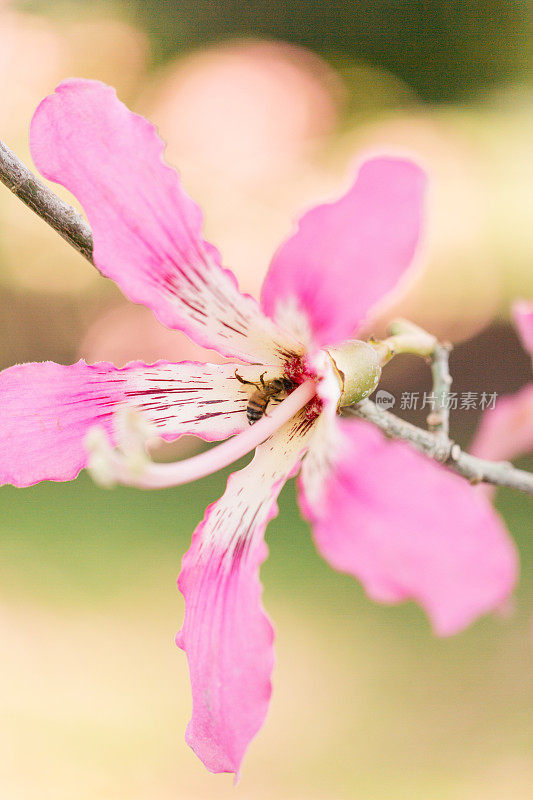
(313, 409)
(295, 371)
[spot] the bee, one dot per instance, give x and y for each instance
(265, 391)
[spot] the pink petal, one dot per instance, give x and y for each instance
(47, 409)
(523, 316)
(147, 231)
(347, 255)
(506, 431)
(408, 528)
(226, 634)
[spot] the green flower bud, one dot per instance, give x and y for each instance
(358, 369)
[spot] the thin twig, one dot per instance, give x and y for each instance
(59, 215)
(444, 450)
(439, 419)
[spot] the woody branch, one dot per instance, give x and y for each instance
(59, 215)
(441, 448)
(434, 443)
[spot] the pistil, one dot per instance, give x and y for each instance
(110, 465)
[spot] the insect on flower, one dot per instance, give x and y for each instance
(404, 526)
(263, 394)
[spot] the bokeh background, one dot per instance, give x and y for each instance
(266, 108)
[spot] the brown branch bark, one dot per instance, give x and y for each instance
(59, 215)
(442, 449)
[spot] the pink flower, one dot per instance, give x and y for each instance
(407, 528)
(506, 431)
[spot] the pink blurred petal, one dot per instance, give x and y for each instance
(345, 256)
(408, 528)
(226, 634)
(506, 431)
(216, 89)
(127, 332)
(147, 231)
(47, 409)
(523, 317)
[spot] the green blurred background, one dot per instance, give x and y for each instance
(265, 107)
